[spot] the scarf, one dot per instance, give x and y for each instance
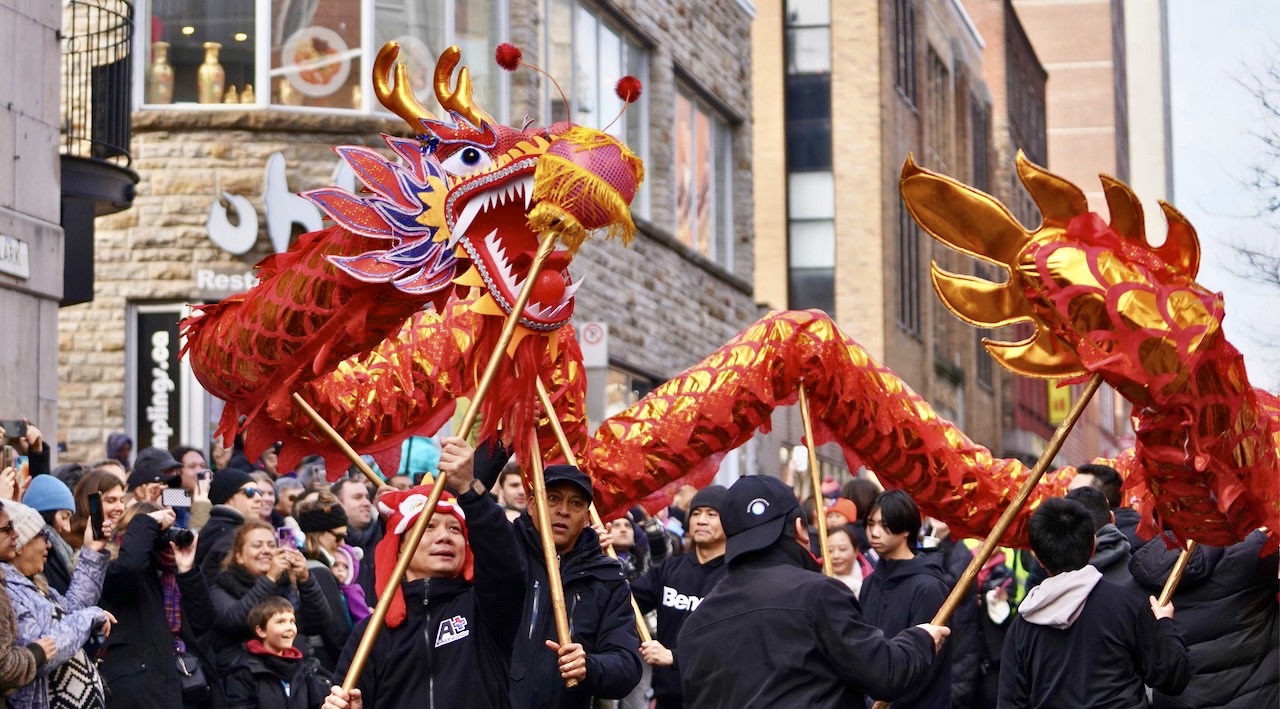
(169, 592)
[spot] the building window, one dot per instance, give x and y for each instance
(938, 116)
(704, 178)
(587, 53)
(811, 240)
(909, 278)
(904, 70)
(985, 373)
(980, 145)
(309, 53)
(808, 37)
(624, 389)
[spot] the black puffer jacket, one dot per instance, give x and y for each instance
(1225, 609)
(454, 647)
(257, 680)
(901, 594)
(235, 592)
(138, 666)
(773, 634)
(598, 602)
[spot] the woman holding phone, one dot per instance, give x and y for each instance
(105, 492)
(69, 677)
(255, 568)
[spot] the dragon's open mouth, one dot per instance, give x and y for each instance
(488, 217)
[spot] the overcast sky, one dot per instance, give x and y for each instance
(1212, 46)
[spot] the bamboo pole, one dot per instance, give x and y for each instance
(1006, 518)
(642, 625)
(338, 441)
(371, 630)
(549, 550)
(1175, 576)
(815, 477)
(410, 544)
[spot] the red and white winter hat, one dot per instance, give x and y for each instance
(401, 509)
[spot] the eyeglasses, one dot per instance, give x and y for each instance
(250, 492)
(340, 536)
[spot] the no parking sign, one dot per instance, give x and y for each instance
(593, 337)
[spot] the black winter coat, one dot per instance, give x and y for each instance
(235, 592)
(674, 588)
(901, 594)
(774, 634)
(966, 637)
(454, 647)
(258, 682)
(1100, 661)
(1127, 520)
(598, 603)
(138, 666)
(216, 538)
(327, 644)
(1226, 611)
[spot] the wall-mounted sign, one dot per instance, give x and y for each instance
(15, 259)
(159, 386)
(593, 337)
(218, 283)
(1059, 401)
(282, 207)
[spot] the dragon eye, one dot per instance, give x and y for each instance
(467, 160)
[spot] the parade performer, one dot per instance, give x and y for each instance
(450, 631)
(777, 633)
(674, 588)
(456, 223)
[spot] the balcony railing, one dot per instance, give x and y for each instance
(97, 39)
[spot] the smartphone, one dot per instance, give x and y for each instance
(202, 474)
(14, 428)
(285, 538)
(95, 514)
(175, 497)
(9, 458)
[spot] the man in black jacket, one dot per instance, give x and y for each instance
(604, 656)
(777, 633)
(1107, 480)
(906, 589)
(1080, 640)
(451, 626)
(676, 586)
(235, 497)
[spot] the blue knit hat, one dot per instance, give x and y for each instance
(48, 494)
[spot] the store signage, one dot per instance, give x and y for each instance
(159, 387)
(15, 259)
(233, 223)
(218, 283)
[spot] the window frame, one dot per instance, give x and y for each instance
(262, 20)
(722, 136)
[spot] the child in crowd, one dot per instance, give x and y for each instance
(346, 569)
(271, 673)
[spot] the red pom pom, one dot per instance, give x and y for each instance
(628, 89)
(508, 56)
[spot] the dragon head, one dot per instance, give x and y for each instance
(471, 199)
(1099, 296)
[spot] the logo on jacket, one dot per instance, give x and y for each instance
(452, 629)
(672, 598)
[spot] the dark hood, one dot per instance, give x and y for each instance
(1152, 564)
(928, 563)
(1113, 548)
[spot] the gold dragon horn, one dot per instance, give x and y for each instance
(1181, 248)
(457, 99)
(398, 99)
(977, 224)
(1059, 200)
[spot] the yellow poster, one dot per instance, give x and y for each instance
(1059, 401)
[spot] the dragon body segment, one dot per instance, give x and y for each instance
(383, 321)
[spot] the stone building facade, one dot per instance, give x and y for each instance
(682, 288)
(30, 231)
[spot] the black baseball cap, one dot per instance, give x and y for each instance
(153, 465)
(568, 474)
(754, 513)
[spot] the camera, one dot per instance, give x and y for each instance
(181, 538)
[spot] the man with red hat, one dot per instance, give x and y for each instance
(452, 623)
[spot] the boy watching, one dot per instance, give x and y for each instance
(271, 673)
(1082, 641)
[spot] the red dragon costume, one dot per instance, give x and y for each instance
(384, 320)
